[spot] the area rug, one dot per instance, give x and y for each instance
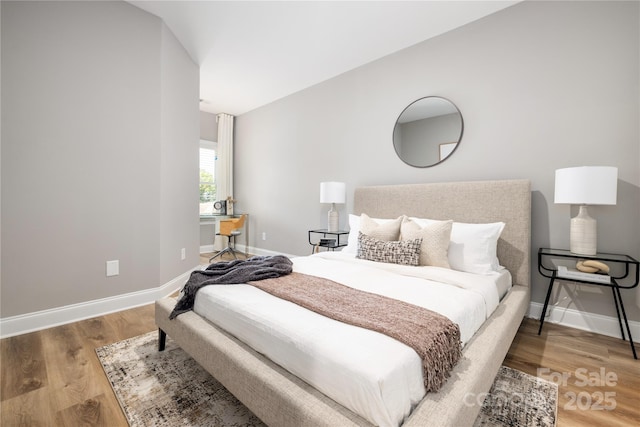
(519, 399)
(170, 389)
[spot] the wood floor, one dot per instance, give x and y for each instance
(598, 378)
(53, 377)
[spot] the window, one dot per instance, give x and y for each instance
(207, 176)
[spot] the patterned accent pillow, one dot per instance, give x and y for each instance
(435, 240)
(406, 252)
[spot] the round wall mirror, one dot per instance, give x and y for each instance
(427, 131)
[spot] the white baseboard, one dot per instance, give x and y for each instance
(591, 322)
(44, 319)
(205, 249)
(251, 250)
(258, 251)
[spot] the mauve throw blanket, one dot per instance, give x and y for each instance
(229, 273)
(433, 336)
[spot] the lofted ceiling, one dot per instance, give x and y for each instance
(252, 53)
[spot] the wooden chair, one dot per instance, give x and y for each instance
(230, 228)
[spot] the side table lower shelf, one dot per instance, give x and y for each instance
(332, 243)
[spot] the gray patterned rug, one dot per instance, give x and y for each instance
(170, 389)
(518, 399)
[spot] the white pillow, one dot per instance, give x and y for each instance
(354, 229)
(473, 247)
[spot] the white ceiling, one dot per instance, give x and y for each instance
(251, 53)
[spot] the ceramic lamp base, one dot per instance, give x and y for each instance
(583, 235)
(333, 219)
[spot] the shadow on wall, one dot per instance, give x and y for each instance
(540, 238)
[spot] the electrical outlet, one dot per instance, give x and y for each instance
(113, 268)
(264, 235)
(183, 254)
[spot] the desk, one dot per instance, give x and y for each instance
(620, 260)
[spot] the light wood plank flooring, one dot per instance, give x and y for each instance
(598, 378)
(53, 377)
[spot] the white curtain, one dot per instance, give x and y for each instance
(224, 167)
(224, 163)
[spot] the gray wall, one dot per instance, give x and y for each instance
(208, 126)
(99, 147)
(541, 86)
(179, 159)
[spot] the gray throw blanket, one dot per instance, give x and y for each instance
(231, 273)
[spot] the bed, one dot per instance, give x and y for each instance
(280, 398)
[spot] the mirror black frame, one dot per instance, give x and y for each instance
(419, 165)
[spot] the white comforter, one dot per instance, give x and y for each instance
(373, 375)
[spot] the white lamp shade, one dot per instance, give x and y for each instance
(333, 192)
(587, 185)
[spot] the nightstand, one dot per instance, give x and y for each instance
(621, 262)
(324, 238)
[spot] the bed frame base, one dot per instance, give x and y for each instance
(281, 399)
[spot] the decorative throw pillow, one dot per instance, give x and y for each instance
(387, 231)
(405, 252)
(435, 240)
(473, 247)
(354, 229)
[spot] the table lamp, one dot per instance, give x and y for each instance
(333, 192)
(585, 185)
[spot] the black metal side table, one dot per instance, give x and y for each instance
(551, 271)
(333, 241)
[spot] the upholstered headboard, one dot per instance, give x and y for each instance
(477, 202)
